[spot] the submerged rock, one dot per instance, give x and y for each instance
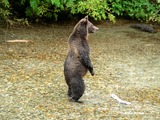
(144, 27)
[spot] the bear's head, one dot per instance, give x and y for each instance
(91, 27)
(85, 26)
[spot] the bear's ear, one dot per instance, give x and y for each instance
(86, 17)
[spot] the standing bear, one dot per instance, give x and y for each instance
(78, 61)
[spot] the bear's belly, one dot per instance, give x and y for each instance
(74, 67)
(83, 70)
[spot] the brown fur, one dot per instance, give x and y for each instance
(78, 62)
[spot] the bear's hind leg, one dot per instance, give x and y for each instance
(77, 89)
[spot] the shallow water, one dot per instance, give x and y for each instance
(126, 63)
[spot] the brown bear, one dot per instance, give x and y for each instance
(78, 61)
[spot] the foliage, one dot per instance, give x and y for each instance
(94, 8)
(139, 9)
(51, 8)
(4, 9)
(46, 8)
(144, 10)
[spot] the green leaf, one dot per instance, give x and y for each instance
(28, 12)
(55, 16)
(48, 14)
(22, 2)
(34, 4)
(56, 3)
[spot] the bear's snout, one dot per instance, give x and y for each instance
(92, 29)
(96, 28)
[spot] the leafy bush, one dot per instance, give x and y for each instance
(139, 9)
(35, 9)
(51, 8)
(98, 9)
(4, 9)
(45, 8)
(94, 8)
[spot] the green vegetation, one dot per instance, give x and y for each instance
(4, 9)
(139, 9)
(144, 10)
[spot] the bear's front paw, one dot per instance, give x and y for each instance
(92, 73)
